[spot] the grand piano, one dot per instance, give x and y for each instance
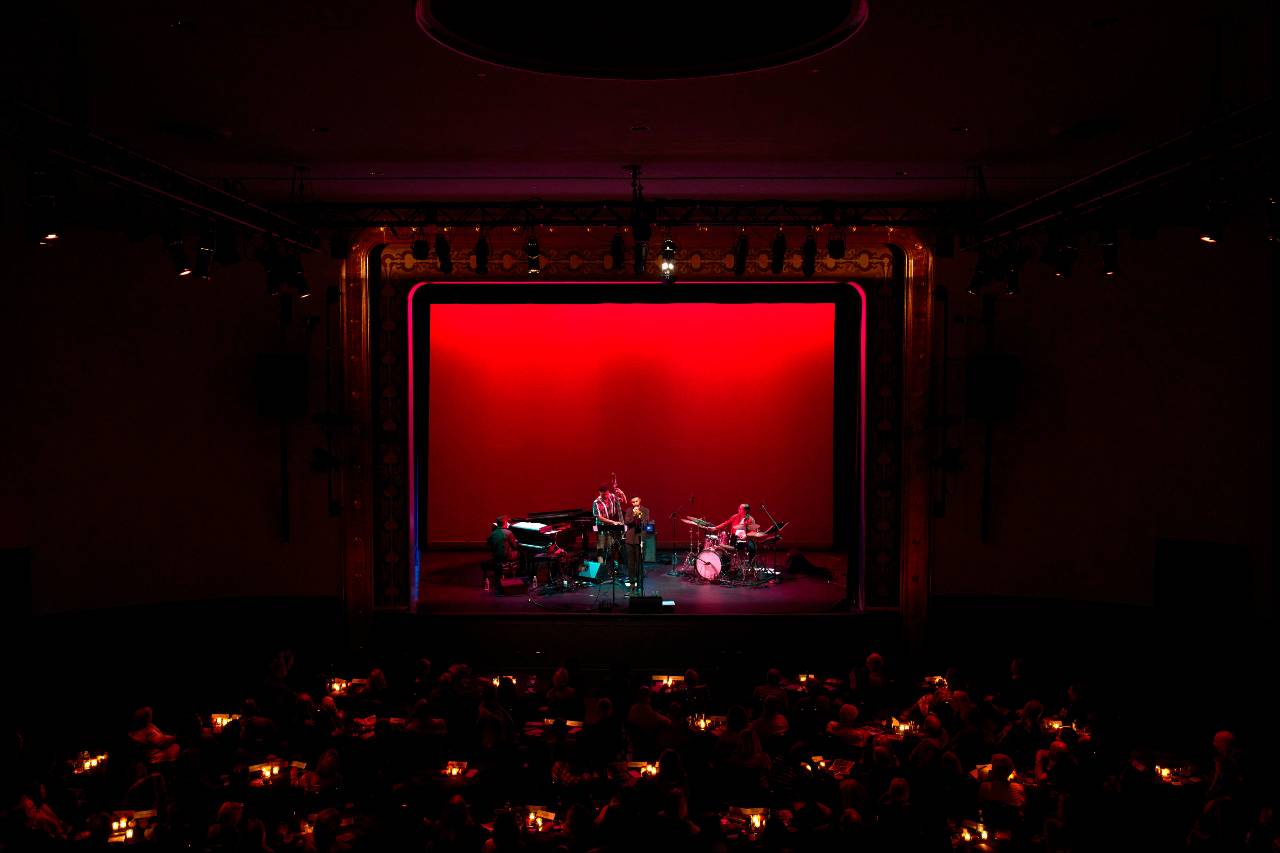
(561, 530)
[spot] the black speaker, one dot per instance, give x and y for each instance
(645, 604)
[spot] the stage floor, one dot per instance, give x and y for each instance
(452, 584)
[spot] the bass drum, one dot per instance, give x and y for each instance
(708, 565)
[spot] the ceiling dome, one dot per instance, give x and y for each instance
(696, 38)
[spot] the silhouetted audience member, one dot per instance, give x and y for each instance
(155, 745)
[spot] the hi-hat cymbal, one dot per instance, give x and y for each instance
(696, 522)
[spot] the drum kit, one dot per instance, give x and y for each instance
(722, 557)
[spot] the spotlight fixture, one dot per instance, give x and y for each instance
(983, 274)
(205, 252)
(481, 252)
(835, 245)
(294, 277)
(740, 249)
(442, 254)
(1060, 253)
(809, 256)
(1211, 226)
(1011, 276)
(1009, 267)
(534, 254)
(668, 264)
(617, 252)
(43, 209)
(178, 254)
(420, 249)
(778, 253)
(639, 257)
(1108, 242)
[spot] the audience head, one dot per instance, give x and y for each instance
(773, 676)
(875, 662)
(1223, 741)
(848, 715)
(1001, 767)
(141, 719)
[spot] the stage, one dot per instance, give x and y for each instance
(453, 584)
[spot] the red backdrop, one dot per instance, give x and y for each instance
(531, 407)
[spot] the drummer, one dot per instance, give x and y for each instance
(742, 524)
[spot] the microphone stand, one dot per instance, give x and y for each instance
(773, 546)
(674, 530)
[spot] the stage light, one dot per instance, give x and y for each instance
(983, 273)
(740, 249)
(1011, 276)
(295, 277)
(534, 254)
(205, 252)
(668, 264)
(443, 257)
(835, 245)
(1009, 267)
(1211, 227)
(809, 256)
(617, 252)
(178, 254)
(43, 209)
(1108, 242)
(778, 253)
(481, 252)
(420, 249)
(639, 257)
(1060, 253)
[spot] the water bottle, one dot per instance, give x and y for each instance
(486, 583)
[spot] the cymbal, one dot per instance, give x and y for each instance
(693, 522)
(757, 534)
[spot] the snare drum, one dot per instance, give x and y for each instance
(724, 538)
(708, 565)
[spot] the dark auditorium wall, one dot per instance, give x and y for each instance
(137, 466)
(1143, 412)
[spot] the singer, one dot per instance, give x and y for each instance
(636, 518)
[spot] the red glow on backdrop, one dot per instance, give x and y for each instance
(531, 407)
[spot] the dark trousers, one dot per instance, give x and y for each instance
(635, 562)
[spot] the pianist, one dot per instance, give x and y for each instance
(503, 547)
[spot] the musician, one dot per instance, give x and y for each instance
(635, 518)
(740, 524)
(503, 546)
(607, 510)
